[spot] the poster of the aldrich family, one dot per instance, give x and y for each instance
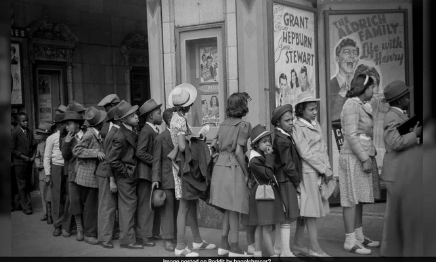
(294, 53)
(372, 43)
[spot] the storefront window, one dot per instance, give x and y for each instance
(202, 66)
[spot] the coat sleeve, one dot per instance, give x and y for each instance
(263, 169)
(143, 144)
(83, 148)
(303, 148)
(157, 160)
(350, 125)
(15, 151)
(47, 155)
(66, 149)
(285, 154)
(115, 156)
(396, 141)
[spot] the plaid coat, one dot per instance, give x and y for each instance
(357, 125)
(86, 152)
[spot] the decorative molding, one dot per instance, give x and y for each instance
(152, 5)
(248, 4)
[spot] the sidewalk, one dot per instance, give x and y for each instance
(32, 237)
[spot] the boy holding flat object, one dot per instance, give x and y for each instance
(163, 178)
(123, 162)
(145, 228)
(89, 151)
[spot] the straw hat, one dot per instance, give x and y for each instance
(182, 95)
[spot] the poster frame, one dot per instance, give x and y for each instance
(21, 72)
(271, 63)
(327, 14)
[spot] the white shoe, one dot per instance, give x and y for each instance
(257, 253)
(245, 254)
(323, 255)
(203, 245)
(287, 254)
(367, 242)
(185, 253)
(223, 252)
(304, 251)
(357, 248)
(251, 249)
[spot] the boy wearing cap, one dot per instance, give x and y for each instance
(43, 131)
(89, 151)
(22, 149)
(397, 94)
(162, 176)
(123, 162)
(107, 188)
(73, 121)
(108, 102)
(145, 228)
(53, 167)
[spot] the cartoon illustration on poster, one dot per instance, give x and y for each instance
(372, 44)
(294, 53)
(44, 98)
(208, 64)
(16, 89)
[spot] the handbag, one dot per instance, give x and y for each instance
(264, 192)
(326, 189)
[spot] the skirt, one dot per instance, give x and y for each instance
(290, 200)
(264, 212)
(312, 205)
(356, 186)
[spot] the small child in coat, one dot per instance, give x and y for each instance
(43, 130)
(263, 213)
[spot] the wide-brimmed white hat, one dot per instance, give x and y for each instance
(306, 96)
(182, 95)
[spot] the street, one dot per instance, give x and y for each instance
(32, 237)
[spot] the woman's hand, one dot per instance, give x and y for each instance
(367, 166)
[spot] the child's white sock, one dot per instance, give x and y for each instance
(285, 230)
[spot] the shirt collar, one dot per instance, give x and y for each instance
(398, 109)
(341, 79)
(96, 131)
(153, 126)
(22, 129)
(117, 126)
(128, 127)
(283, 131)
(79, 135)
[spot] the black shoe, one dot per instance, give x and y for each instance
(91, 240)
(107, 244)
(44, 218)
(27, 212)
(156, 238)
(132, 246)
(116, 236)
(57, 232)
(169, 245)
(65, 233)
(148, 242)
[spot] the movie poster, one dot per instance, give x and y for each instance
(16, 87)
(372, 44)
(44, 98)
(208, 64)
(294, 53)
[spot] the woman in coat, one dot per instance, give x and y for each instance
(358, 171)
(316, 169)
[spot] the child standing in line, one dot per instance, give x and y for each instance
(263, 213)
(43, 130)
(229, 188)
(287, 168)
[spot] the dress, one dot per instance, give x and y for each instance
(228, 188)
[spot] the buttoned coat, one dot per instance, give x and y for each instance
(22, 144)
(395, 143)
(144, 152)
(287, 165)
(104, 169)
(122, 157)
(311, 146)
(162, 165)
(86, 151)
(357, 125)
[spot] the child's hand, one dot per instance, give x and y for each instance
(101, 156)
(268, 150)
(69, 137)
(113, 187)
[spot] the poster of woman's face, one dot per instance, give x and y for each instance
(16, 89)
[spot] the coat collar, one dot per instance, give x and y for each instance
(400, 114)
(26, 137)
(302, 122)
(365, 106)
(97, 136)
(130, 136)
(253, 154)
